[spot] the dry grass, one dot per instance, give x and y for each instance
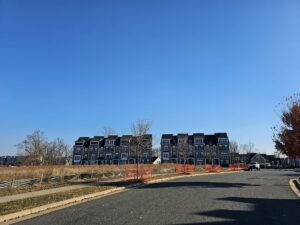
(28, 172)
(27, 203)
(30, 188)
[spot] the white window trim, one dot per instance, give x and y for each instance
(124, 156)
(165, 141)
(77, 158)
(166, 156)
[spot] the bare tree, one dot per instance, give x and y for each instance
(156, 152)
(139, 131)
(247, 148)
(33, 147)
(233, 151)
(233, 147)
(57, 152)
(183, 151)
(38, 151)
(250, 147)
(108, 131)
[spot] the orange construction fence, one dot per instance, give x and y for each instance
(238, 166)
(210, 167)
(141, 172)
(185, 168)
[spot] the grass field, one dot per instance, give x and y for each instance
(28, 172)
(27, 203)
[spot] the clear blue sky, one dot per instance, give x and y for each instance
(69, 68)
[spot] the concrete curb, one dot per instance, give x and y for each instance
(294, 187)
(27, 212)
(71, 201)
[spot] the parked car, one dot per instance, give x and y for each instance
(268, 165)
(253, 165)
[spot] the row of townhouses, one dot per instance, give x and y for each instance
(181, 148)
(113, 149)
(197, 148)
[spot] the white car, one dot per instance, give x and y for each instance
(253, 165)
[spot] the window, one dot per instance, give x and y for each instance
(165, 141)
(79, 143)
(109, 142)
(181, 141)
(124, 156)
(77, 158)
(223, 140)
(124, 142)
(198, 140)
(165, 155)
(166, 148)
(94, 143)
(93, 157)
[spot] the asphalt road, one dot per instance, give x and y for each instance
(254, 197)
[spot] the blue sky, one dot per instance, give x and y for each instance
(69, 68)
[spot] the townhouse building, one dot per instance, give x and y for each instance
(112, 149)
(197, 148)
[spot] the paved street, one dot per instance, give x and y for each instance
(254, 197)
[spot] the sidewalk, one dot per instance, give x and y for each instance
(10, 198)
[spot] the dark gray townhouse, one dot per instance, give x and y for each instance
(196, 149)
(112, 150)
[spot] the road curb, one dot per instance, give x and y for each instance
(71, 201)
(294, 187)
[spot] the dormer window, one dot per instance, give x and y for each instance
(124, 142)
(109, 142)
(165, 141)
(198, 140)
(79, 143)
(94, 143)
(223, 140)
(181, 141)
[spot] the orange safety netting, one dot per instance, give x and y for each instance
(238, 166)
(185, 168)
(141, 172)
